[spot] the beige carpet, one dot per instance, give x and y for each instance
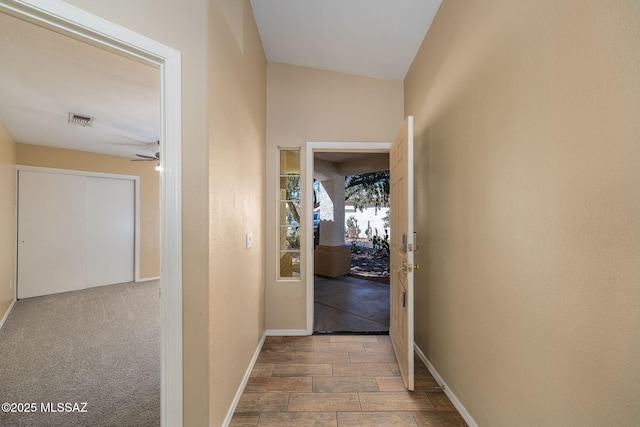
(100, 346)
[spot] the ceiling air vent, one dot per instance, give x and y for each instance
(79, 119)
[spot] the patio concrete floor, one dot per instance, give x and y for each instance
(350, 304)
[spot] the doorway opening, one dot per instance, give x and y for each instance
(348, 278)
(78, 24)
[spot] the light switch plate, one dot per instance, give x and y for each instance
(248, 240)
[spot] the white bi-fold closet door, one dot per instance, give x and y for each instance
(75, 231)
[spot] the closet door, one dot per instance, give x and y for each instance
(110, 231)
(74, 232)
(52, 213)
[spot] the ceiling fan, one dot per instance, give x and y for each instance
(143, 158)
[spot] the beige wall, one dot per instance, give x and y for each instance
(237, 131)
(7, 219)
(223, 114)
(528, 204)
(303, 105)
(183, 26)
(35, 155)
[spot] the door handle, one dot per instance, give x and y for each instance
(407, 268)
(404, 299)
(403, 269)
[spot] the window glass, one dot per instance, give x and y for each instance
(289, 218)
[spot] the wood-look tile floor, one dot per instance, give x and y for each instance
(338, 380)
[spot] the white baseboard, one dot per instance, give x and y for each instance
(286, 332)
(452, 397)
(148, 279)
(245, 380)
(6, 315)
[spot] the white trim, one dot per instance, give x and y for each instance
(452, 397)
(6, 315)
(137, 231)
(148, 279)
(136, 206)
(410, 255)
(171, 241)
(75, 172)
(15, 240)
(286, 332)
(74, 22)
(82, 25)
(243, 384)
(307, 183)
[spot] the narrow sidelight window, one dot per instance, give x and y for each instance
(289, 218)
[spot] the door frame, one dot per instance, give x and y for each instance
(307, 183)
(86, 27)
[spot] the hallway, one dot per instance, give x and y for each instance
(339, 381)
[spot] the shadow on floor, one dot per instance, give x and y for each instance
(349, 304)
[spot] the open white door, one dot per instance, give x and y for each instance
(402, 248)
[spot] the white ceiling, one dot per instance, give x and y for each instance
(375, 38)
(44, 75)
